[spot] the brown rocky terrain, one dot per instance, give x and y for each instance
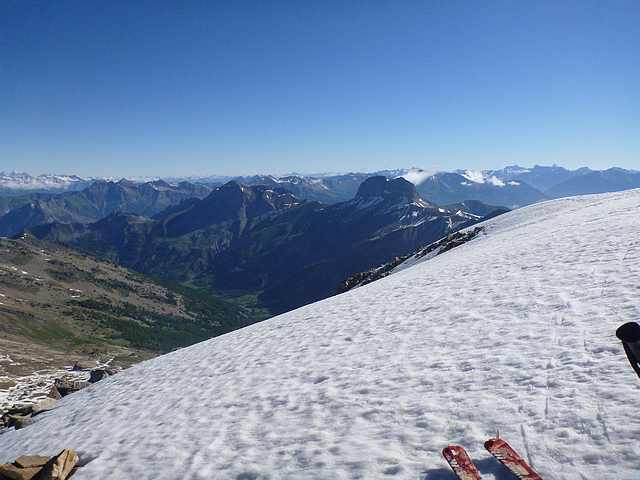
(59, 307)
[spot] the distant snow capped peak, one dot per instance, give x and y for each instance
(416, 175)
(134, 179)
(24, 181)
(495, 181)
(475, 176)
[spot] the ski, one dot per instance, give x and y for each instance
(460, 462)
(511, 459)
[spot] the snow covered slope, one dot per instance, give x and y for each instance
(511, 331)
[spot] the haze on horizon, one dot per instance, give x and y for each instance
(171, 89)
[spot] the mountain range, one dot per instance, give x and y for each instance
(512, 186)
(18, 183)
(454, 187)
(96, 201)
(267, 243)
(281, 242)
(516, 186)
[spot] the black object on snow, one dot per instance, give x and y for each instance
(629, 333)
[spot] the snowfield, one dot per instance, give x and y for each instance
(513, 331)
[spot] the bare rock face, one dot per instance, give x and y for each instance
(99, 374)
(453, 240)
(59, 467)
(54, 393)
(66, 386)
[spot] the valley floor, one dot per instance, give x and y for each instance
(513, 331)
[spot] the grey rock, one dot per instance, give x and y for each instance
(65, 387)
(97, 375)
(20, 421)
(43, 406)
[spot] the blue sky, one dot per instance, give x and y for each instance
(199, 87)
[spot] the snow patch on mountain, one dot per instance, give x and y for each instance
(495, 181)
(512, 331)
(474, 176)
(24, 181)
(416, 175)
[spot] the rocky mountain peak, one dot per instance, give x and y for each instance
(160, 184)
(397, 189)
(125, 182)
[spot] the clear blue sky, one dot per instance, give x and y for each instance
(194, 87)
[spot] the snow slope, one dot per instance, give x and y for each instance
(511, 331)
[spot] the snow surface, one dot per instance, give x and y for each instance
(513, 331)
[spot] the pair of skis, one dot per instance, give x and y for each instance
(463, 466)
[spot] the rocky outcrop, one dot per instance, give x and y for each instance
(22, 415)
(59, 467)
(98, 374)
(54, 393)
(18, 421)
(31, 461)
(436, 248)
(66, 386)
(80, 366)
(13, 472)
(38, 467)
(43, 406)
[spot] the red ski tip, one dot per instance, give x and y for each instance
(460, 462)
(452, 451)
(491, 443)
(447, 452)
(511, 459)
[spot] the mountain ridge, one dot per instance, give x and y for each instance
(285, 251)
(484, 185)
(94, 202)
